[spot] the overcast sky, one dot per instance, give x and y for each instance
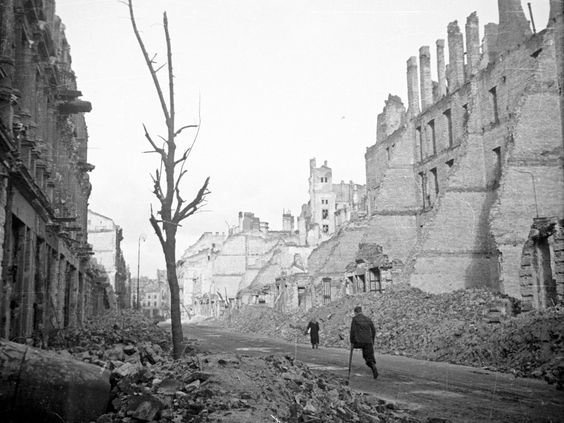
(280, 82)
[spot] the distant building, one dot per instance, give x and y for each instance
(330, 205)
(216, 268)
(154, 295)
(195, 270)
(105, 237)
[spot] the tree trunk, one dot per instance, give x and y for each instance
(42, 386)
(175, 320)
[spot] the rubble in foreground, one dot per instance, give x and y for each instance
(471, 327)
(148, 386)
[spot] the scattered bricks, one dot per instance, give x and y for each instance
(201, 376)
(129, 349)
(127, 369)
(115, 353)
(192, 385)
(144, 407)
(170, 386)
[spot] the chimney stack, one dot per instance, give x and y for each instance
(472, 43)
(412, 87)
(455, 57)
(441, 68)
(425, 74)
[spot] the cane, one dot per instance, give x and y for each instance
(350, 363)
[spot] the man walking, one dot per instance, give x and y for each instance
(362, 336)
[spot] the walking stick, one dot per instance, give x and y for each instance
(350, 363)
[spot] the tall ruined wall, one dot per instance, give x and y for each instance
(474, 226)
(532, 180)
(392, 189)
(450, 191)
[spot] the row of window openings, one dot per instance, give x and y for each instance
(433, 135)
(324, 179)
(448, 117)
(427, 191)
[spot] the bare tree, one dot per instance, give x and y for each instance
(166, 180)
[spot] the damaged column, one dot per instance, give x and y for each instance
(472, 44)
(513, 25)
(442, 90)
(425, 72)
(412, 87)
(455, 57)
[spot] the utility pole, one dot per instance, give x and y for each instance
(141, 237)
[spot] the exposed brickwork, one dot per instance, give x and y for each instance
(475, 154)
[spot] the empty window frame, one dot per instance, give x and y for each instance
(448, 117)
(494, 105)
(423, 180)
(419, 140)
(435, 177)
(465, 116)
(325, 214)
(496, 166)
(432, 136)
(325, 229)
(326, 290)
(375, 280)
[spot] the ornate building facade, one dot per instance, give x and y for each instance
(47, 282)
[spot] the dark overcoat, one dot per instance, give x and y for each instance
(362, 330)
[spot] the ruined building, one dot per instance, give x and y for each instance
(44, 185)
(195, 270)
(105, 238)
(330, 205)
(467, 178)
(219, 271)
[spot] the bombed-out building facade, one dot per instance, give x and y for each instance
(47, 282)
(465, 182)
(467, 177)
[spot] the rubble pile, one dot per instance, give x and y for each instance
(104, 331)
(148, 386)
(470, 327)
(237, 388)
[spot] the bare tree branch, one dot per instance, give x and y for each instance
(170, 80)
(157, 229)
(149, 63)
(190, 208)
(160, 67)
(183, 128)
(157, 149)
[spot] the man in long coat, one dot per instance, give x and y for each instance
(362, 336)
(313, 329)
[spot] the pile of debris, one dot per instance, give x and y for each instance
(104, 331)
(471, 327)
(236, 388)
(147, 385)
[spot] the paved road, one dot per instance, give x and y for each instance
(460, 393)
